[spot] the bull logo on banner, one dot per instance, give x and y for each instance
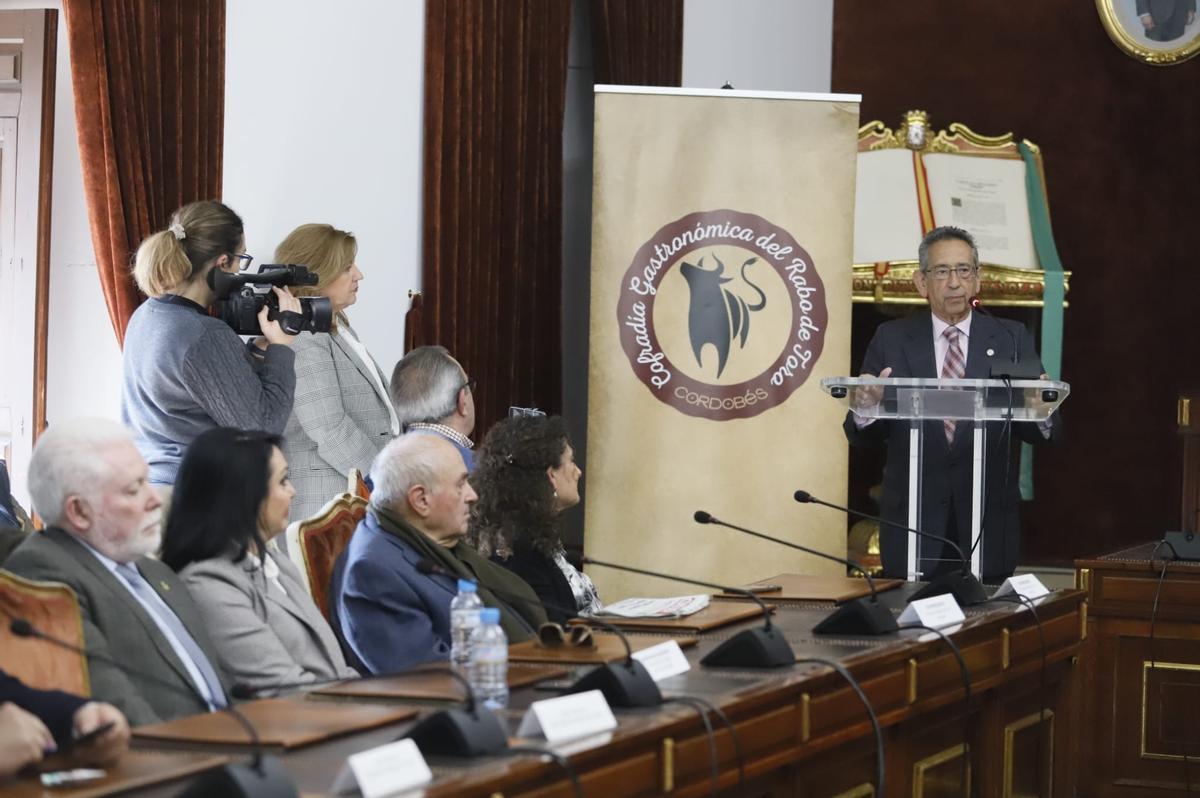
(713, 339)
(718, 316)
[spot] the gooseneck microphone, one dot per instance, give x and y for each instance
(265, 776)
(1019, 368)
(764, 647)
(467, 731)
(856, 617)
(624, 684)
(963, 585)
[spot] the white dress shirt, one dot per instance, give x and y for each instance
(359, 349)
(941, 344)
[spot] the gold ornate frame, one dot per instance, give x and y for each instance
(1137, 49)
(891, 282)
(1010, 740)
(1147, 666)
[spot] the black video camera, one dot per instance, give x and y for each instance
(241, 296)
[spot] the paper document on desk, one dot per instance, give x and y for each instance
(674, 607)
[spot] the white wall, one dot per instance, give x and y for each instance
(765, 45)
(323, 124)
(83, 360)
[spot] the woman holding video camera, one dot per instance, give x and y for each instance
(185, 371)
(342, 415)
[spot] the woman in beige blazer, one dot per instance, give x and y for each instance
(342, 415)
(231, 499)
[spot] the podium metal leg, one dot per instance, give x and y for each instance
(978, 462)
(915, 446)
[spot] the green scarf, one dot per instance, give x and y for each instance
(519, 619)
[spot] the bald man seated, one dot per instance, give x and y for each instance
(391, 589)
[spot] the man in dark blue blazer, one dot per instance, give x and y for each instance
(920, 346)
(391, 588)
(34, 723)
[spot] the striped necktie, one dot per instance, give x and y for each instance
(953, 368)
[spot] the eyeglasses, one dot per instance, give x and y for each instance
(553, 635)
(470, 385)
(963, 271)
(245, 260)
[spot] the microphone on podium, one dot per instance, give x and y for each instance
(1016, 367)
(263, 777)
(963, 585)
(759, 647)
(856, 617)
(625, 684)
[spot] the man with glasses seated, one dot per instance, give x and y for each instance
(434, 396)
(950, 342)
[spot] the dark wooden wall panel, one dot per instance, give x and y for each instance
(1121, 141)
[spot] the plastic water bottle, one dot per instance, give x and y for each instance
(464, 620)
(489, 661)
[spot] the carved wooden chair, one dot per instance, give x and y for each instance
(320, 540)
(52, 608)
(356, 485)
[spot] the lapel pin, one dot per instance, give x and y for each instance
(991, 352)
(166, 588)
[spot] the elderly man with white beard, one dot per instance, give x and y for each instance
(103, 518)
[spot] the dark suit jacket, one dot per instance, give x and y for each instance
(115, 625)
(387, 614)
(545, 578)
(906, 345)
(55, 708)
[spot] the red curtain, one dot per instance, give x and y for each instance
(149, 81)
(495, 83)
(638, 42)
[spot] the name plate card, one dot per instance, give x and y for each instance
(568, 717)
(1026, 585)
(934, 612)
(386, 770)
(663, 660)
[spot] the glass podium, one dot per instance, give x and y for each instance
(908, 399)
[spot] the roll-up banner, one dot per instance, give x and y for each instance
(722, 230)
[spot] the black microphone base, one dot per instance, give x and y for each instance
(963, 585)
(624, 684)
(1183, 545)
(760, 647)
(460, 732)
(266, 779)
(858, 617)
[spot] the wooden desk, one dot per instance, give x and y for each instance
(1138, 720)
(802, 732)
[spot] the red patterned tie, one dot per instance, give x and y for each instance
(954, 367)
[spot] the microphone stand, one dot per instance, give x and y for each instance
(856, 617)
(264, 777)
(456, 732)
(759, 647)
(625, 684)
(965, 588)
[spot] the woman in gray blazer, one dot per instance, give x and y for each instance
(342, 415)
(231, 499)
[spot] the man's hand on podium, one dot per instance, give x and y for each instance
(869, 396)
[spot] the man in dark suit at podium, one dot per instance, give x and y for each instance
(947, 341)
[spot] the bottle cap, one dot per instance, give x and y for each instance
(466, 586)
(489, 615)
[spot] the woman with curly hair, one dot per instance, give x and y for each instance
(525, 475)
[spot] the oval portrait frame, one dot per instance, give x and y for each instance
(1134, 48)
